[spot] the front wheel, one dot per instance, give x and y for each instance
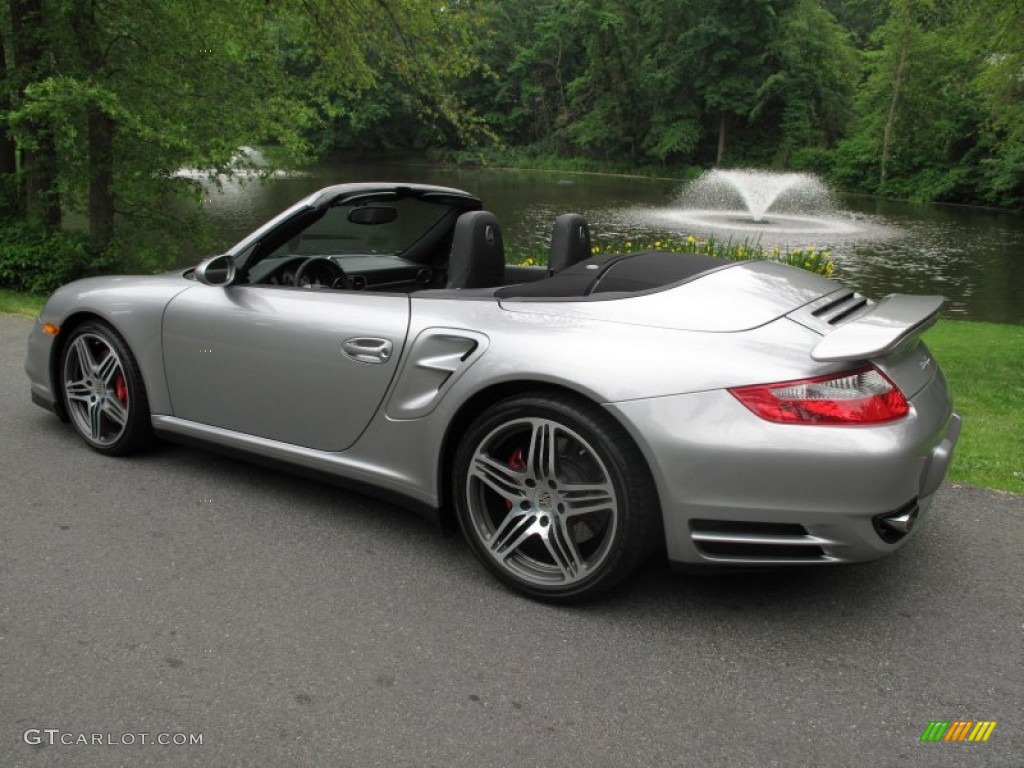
(554, 497)
(103, 390)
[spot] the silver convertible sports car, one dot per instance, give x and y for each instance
(572, 420)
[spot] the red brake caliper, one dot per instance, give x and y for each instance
(515, 462)
(121, 389)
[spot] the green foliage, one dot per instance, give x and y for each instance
(918, 126)
(35, 259)
(130, 94)
(808, 93)
(919, 99)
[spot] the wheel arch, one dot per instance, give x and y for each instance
(477, 404)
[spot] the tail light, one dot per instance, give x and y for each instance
(862, 396)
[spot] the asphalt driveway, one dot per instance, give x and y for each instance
(289, 623)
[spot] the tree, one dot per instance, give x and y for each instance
(809, 91)
(725, 44)
(994, 29)
(138, 88)
(917, 117)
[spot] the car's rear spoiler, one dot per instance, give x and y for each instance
(895, 321)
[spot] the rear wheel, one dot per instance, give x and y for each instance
(554, 497)
(103, 391)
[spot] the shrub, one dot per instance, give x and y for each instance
(34, 259)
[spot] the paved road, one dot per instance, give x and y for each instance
(294, 624)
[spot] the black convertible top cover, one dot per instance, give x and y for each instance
(623, 273)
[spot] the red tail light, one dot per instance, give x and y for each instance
(862, 396)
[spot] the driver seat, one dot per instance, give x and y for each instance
(477, 258)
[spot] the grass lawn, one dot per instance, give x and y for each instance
(15, 303)
(984, 363)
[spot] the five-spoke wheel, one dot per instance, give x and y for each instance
(102, 389)
(554, 498)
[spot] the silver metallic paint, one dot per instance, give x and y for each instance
(890, 321)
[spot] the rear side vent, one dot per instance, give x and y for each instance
(757, 543)
(840, 307)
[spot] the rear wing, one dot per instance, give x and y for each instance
(894, 322)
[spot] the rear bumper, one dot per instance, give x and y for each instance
(739, 491)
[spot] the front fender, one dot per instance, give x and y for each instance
(132, 305)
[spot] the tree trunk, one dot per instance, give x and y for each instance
(39, 164)
(101, 129)
(721, 137)
(101, 177)
(9, 197)
(897, 88)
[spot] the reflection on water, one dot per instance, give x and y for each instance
(973, 257)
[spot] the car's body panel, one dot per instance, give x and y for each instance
(132, 305)
(274, 356)
(894, 321)
(735, 298)
(375, 387)
(713, 459)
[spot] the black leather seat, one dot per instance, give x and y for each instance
(570, 242)
(477, 259)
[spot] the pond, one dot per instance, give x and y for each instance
(973, 257)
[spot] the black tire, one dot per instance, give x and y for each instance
(103, 392)
(554, 497)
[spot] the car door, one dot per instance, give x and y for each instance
(306, 367)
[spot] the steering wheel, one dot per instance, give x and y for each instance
(320, 272)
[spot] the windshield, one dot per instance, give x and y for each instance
(389, 228)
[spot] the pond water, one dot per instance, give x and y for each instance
(975, 258)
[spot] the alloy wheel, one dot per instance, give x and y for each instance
(96, 390)
(541, 502)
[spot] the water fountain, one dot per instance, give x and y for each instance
(770, 207)
(760, 190)
(246, 163)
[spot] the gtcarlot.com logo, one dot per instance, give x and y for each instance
(54, 736)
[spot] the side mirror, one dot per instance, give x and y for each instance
(216, 270)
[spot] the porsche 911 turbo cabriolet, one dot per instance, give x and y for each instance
(572, 419)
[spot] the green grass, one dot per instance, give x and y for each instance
(16, 303)
(984, 363)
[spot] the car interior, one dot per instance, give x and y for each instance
(442, 246)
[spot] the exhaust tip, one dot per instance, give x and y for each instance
(893, 526)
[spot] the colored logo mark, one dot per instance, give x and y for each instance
(958, 730)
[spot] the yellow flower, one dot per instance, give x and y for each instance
(657, 243)
(596, 249)
(691, 240)
(529, 262)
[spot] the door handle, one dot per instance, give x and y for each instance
(367, 350)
